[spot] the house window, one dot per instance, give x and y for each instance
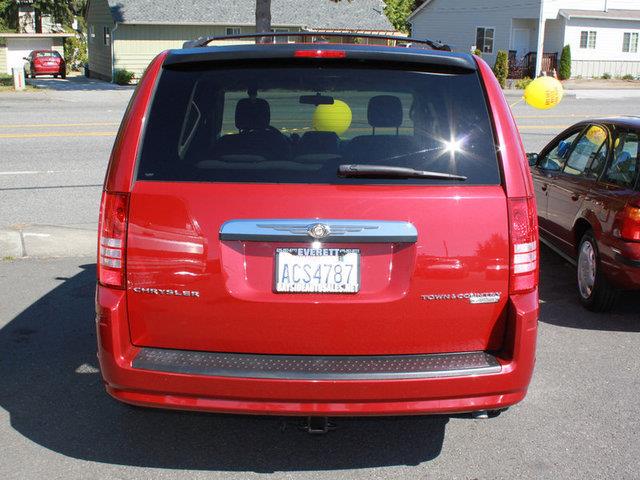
(233, 30)
(280, 39)
(630, 42)
(484, 39)
(588, 39)
(92, 33)
(106, 36)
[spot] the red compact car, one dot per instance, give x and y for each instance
(588, 193)
(45, 62)
(318, 230)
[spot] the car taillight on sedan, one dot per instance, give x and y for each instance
(524, 245)
(627, 223)
(111, 241)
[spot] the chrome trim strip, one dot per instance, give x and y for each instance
(313, 367)
(339, 231)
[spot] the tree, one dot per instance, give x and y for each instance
(263, 16)
(501, 68)
(397, 11)
(565, 63)
(62, 11)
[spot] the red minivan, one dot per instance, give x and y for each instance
(318, 230)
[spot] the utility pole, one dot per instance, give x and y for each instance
(540, 47)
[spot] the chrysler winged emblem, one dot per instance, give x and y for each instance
(318, 230)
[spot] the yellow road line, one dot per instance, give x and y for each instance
(38, 125)
(542, 127)
(577, 115)
(57, 134)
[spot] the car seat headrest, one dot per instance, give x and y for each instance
(384, 111)
(252, 114)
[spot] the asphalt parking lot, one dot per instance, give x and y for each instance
(580, 419)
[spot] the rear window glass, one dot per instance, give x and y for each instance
(299, 124)
(48, 54)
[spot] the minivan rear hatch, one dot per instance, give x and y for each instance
(314, 206)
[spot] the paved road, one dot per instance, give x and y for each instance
(55, 144)
(54, 148)
(580, 420)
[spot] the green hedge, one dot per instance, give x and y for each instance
(565, 63)
(501, 68)
(123, 77)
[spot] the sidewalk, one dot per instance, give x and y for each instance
(47, 241)
(599, 94)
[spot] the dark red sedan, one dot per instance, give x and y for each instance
(45, 62)
(588, 194)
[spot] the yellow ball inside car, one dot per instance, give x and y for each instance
(332, 118)
(543, 93)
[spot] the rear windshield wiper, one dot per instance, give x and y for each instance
(389, 171)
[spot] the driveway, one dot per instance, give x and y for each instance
(75, 83)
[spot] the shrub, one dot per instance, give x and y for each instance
(6, 80)
(123, 76)
(477, 52)
(522, 83)
(501, 67)
(75, 52)
(606, 76)
(628, 76)
(565, 63)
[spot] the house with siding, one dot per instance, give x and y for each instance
(127, 34)
(603, 34)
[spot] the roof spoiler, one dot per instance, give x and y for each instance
(320, 37)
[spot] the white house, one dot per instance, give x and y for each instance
(603, 34)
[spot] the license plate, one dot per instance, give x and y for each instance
(51, 64)
(317, 270)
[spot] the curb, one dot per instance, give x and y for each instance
(512, 92)
(47, 241)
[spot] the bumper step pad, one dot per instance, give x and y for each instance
(308, 367)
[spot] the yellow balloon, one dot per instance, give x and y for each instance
(596, 135)
(332, 118)
(543, 93)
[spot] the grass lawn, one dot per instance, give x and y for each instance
(6, 83)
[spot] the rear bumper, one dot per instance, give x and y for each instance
(622, 263)
(47, 70)
(326, 397)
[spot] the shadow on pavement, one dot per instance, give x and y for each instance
(560, 304)
(77, 83)
(50, 385)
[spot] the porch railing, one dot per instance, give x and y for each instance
(526, 67)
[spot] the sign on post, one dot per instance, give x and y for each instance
(18, 78)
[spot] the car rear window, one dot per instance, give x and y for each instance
(293, 124)
(48, 54)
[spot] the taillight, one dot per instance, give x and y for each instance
(112, 233)
(523, 226)
(627, 223)
(320, 53)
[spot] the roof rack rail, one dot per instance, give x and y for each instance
(261, 37)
